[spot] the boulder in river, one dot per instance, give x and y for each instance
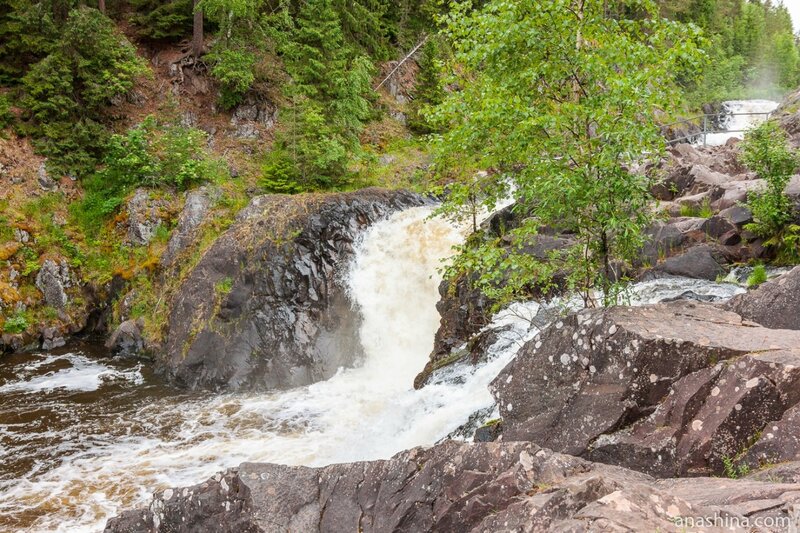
(456, 487)
(266, 306)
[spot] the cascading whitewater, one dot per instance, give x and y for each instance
(77, 451)
(156, 438)
(736, 123)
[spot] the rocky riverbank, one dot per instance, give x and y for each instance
(608, 418)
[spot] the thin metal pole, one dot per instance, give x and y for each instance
(705, 130)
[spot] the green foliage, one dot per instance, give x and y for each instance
(151, 154)
(329, 103)
(704, 210)
(17, 323)
(766, 152)
(67, 91)
(732, 470)
(28, 32)
(758, 276)
(751, 50)
(428, 90)
(567, 145)
(156, 19)
(243, 33)
(6, 117)
(309, 153)
(224, 286)
(234, 70)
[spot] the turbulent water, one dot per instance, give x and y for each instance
(83, 436)
(736, 123)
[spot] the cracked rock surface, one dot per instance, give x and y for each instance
(667, 389)
(456, 487)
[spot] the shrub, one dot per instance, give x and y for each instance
(766, 152)
(66, 92)
(757, 277)
(152, 155)
(234, 70)
(16, 323)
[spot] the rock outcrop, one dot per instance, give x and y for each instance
(265, 306)
(52, 280)
(669, 389)
(775, 304)
(194, 212)
(455, 487)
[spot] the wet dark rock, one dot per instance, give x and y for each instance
(582, 385)
(265, 307)
(489, 432)
(464, 310)
(717, 226)
(453, 487)
(774, 304)
(52, 338)
(662, 240)
(738, 215)
(700, 262)
(127, 340)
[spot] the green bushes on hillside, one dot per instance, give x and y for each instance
(65, 93)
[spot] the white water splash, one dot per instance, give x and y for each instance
(78, 373)
(736, 124)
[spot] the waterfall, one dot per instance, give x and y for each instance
(154, 438)
(735, 124)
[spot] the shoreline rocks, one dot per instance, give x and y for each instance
(456, 487)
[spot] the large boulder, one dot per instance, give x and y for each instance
(456, 487)
(704, 261)
(775, 304)
(587, 380)
(127, 339)
(265, 307)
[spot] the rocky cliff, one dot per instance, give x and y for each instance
(266, 307)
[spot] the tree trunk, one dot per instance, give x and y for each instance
(197, 31)
(101, 5)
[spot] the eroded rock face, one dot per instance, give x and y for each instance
(265, 307)
(452, 487)
(775, 304)
(597, 376)
(144, 216)
(195, 210)
(53, 278)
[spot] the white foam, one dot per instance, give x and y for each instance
(82, 374)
